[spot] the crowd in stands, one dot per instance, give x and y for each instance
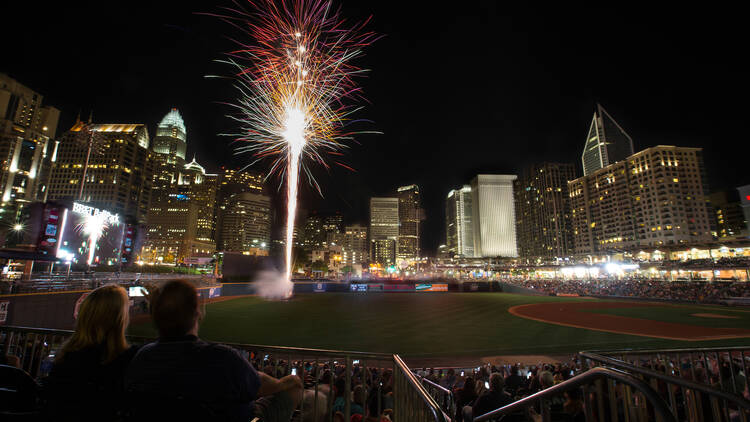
(693, 291)
(707, 263)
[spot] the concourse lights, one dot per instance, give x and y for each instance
(18, 227)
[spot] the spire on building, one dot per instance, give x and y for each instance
(606, 142)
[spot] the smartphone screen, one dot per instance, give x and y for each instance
(462, 373)
(294, 371)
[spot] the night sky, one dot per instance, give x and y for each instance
(456, 90)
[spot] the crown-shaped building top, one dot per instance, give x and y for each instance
(171, 135)
(606, 142)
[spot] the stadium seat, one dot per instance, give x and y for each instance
(19, 395)
(162, 407)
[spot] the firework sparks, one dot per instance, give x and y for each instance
(94, 225)
(297, 88)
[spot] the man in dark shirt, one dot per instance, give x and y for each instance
(491, 399)
(180, 366)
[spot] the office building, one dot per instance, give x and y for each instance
(313, 233)
(232, 182)
(745, 204)
(409, 210)
(171, 137)
(107, 166)
(493, 215)
(727, 213)
(27, 147)
(384, 230)
(354, 245)
(458, 225)
(655, 197)
(543, 226)
(246, 225)
(181, 222)
(606, 142)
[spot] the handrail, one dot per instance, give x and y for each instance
(660, 406)
(448, 401)
(426, 397)
(438, 386)
(662, 351)
(279, 349)
(703, 388)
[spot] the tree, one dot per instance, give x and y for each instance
(320, 266)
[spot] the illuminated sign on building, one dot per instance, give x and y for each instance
(111, 219)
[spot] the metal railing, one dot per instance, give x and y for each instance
(381, 377)
(411, 402)
(683, 377)
(624, 397)
(56, 284)
(441, 395)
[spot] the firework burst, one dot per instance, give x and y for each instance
(297, 88)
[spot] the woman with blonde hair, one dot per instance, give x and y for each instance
(88, 371)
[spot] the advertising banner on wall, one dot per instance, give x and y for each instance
(431, 287)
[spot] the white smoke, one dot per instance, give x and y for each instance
(273, 285)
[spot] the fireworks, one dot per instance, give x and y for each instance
(93, 224)
(297, 89)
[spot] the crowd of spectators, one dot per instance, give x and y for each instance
(692, 291)
(483, 389)
(707, 263)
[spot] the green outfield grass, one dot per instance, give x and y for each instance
(427, 324)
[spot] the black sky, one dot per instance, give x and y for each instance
(472, 87)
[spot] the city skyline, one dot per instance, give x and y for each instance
(534, 97)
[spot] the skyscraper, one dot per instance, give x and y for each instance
(745, 204)
(727, 212)
(656, 197)
(543, 225)
(232, 182)
(181, 221)
(107, 166)
(171, 136)
(493, 215)
(409, 207)
(383, 230)
(355, 247)
(27, 146)
(458, 225)
(606, 142)
(246, 225)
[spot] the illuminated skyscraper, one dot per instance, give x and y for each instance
(355, 247)
(458, 228)
(493, 215)
(181, 222)
(246, 224)
(27, 146)
(606, 142)
(232, 182)
(409, 211)
(119, 174)
(383, 230)
(655, 197)
(171, 136)
(543, 225)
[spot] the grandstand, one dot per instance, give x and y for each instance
(690, 382)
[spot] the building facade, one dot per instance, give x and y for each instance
(745, 204)
(232, 182)
(171, 137)
(409, 210)
(728, 216)
(27, 147)
(543, 226)
(493, 215)
(655, 197)
(107, 166)
(355, 246)
(606, 142)
(246, 225)
(458, 223)
(384, 230)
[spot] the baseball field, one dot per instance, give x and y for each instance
(429, 325)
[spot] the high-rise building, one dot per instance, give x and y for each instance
(27, 146)
(231, 182)
(181, 222)
(107, 166)
(655, 197)
(409, 207)
(606, 142)
(171, 136)
(543, 227)
(384, 230)
(355, 246)
(313, 233)
(727, 212)
(332, 226)
(458, 225)
(246, 225)
(745, 204)
(493, 215)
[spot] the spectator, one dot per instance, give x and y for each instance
(514, 380)
(358, 402)
(573, 405)
(449, 381)
(465, 397)
(491, 399)
(86, 379)
(184, 370)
